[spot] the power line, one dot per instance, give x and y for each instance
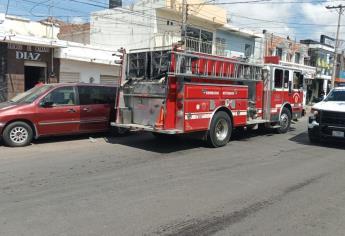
(267, 2)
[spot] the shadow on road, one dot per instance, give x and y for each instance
(303, 139)
(169, 144)
(164, 145)
(58, 139)
(240, 135)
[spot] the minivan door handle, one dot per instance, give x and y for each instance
(86, 109)
(71, 110)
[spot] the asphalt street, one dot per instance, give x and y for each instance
(261, 183)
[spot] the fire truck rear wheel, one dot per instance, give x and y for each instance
(285, 121)
(220, 130)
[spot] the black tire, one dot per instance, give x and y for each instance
(285, 121)
(17, 134)
(220, 130)
(313, 138)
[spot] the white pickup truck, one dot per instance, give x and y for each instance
(327, 119)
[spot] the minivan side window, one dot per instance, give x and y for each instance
(61, 96)
(96, 95)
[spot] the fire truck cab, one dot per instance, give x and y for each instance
(177, 92)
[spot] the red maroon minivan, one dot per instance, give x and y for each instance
(56, 109)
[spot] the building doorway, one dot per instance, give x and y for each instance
(33, 75)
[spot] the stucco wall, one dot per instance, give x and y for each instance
(236, 43)
(117, 28)
(88, 70)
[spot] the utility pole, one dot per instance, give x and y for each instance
(340, 9)
(184, 20)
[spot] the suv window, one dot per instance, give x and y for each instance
(61, 96)
(96, 95)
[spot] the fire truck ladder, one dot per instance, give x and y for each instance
(208, 67)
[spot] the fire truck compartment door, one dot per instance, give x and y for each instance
(146, 110)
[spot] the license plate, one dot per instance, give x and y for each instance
(338, 134)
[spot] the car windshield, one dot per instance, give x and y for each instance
(31, 95)
(336, 96)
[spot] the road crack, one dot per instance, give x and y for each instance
(213, 224)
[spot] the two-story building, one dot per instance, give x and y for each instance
(322, 57)
(155, 24)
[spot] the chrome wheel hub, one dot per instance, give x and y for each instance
(284, 121)
(19, 135)
(222, 129)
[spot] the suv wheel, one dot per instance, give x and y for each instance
(17, 134)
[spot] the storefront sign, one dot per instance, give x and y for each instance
(33, 56)
(27, 52)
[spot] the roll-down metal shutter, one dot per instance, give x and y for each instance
(110, 80)
(69, 77)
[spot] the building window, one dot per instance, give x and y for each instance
(199, 40)
(248, 50)
(297, 57)
(279, 53)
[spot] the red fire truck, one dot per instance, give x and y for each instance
(174, 91)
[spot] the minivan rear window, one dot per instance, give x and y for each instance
(89, 95)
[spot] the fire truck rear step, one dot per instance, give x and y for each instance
(146, 128)
(259, 121)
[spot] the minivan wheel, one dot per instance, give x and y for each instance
(17, 134)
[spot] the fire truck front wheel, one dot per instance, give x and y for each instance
(285, 121)
(220, 130)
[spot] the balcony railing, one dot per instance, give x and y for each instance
(196, 45)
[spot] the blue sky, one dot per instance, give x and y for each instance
(299, 20)
(64, 9)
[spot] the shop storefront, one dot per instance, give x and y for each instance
(23, 66)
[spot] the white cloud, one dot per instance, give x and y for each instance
(77, 20)
(318, 14)
(295, 17)
(267, 12)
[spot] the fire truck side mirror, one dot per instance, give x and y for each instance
(290, 87)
